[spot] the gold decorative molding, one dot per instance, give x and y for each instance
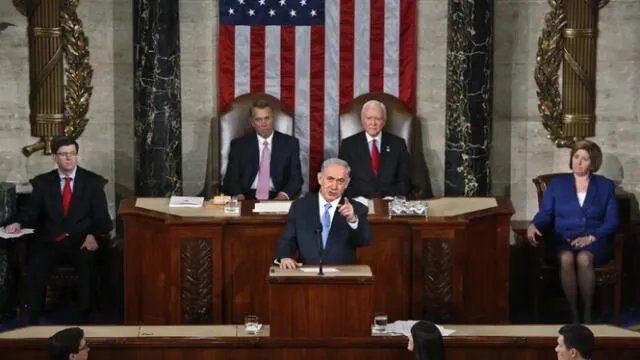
(56, 38)
(568, 38)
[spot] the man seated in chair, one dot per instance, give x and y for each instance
(379, 160)
(264, 164)
(68, 209)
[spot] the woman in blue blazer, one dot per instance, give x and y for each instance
(581, 210)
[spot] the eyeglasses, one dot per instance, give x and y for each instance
(67, 154)
(85, 347)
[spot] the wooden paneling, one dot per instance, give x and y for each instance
(251, 348)
(438, 268)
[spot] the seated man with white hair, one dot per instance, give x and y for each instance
(379, 160)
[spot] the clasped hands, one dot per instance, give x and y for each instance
(89, 243)
(580, 242)
(345, 210)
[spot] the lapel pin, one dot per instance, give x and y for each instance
(387, 149)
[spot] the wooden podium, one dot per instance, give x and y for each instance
(336, 304)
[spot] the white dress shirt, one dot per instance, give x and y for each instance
(72, 176)
(370, 139)
(332, 210)
(261, 141)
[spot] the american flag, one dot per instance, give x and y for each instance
(316, 56)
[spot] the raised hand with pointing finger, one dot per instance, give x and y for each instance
(346, 210)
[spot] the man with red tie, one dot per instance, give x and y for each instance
(379, 160)
(68, 209)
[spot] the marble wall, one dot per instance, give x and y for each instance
(97, 142)
(520, 150)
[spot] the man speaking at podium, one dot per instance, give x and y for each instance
(325, 227)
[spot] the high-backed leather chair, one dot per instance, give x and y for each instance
(400, 122)
(607, 275)
(233, 122)
(63, 275)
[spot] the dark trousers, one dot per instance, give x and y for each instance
(44, 257)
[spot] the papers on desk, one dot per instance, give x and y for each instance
(404, 328)
(5, 235)
(272, 207)
(316, 269)
(362, 200)
(186, 201)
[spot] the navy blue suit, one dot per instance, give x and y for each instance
(561, 212)
(303, 229)
(393, 170)
(244, 164)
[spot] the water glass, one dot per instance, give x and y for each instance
(232, 206)
(380, 322)
(251, 324)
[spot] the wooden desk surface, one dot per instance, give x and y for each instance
(217, 331)
(441, 209)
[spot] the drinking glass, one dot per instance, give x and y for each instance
(232, 206)
(380, 322)
(251, 324)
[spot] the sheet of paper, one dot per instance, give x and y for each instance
(186, 201)
(362, 200)
(276, 207)
(315, 270)
(403, 327)
(5, 235)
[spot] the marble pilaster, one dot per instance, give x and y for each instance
(157, 102)
(468, 97)
(7, 201)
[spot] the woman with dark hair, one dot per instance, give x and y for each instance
(426, 341)
(580, 212)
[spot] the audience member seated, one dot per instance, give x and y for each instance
(68, 209)
(326, 216)
(426, 341)
(576, 342)
(579, 215)
(68, 344)
(379, 160)
(264, 164)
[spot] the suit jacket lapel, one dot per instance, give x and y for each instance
(591, 193)
(276, 149)
(56, 194)
(77, 192)
(255, 156)
(384, 154)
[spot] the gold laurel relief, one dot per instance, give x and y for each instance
(78, 89)
(548, 61)
(78, 74)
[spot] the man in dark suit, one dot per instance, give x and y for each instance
(68, 209)
(379, 160)
(264, 164)
(326, 222)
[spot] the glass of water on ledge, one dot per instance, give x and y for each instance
(251, 324)
(380, 322)
(232, 205)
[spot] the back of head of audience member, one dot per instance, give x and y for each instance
(426, 341)
(68, 344)
(575, 342)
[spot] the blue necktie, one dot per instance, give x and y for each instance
(326, 225)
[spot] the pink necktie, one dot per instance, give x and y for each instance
(262, 192)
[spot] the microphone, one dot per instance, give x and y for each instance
(320, 249)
